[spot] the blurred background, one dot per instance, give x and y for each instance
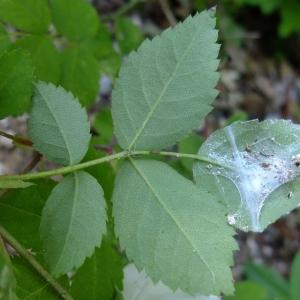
(260, 66)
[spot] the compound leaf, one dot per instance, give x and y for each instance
(58, 125)
(45, 56)
(258, 182)
(99, 275)
(172, 229)
(30, 15)
(73, 222)
(16, 75)
(80, 74)
(166, 88)
(75, 19)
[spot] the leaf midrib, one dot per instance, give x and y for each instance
(177, 223)
(160, 97)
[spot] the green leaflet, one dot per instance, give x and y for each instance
(31, 286)
(128, 34)
(258, 183)
(295, 276)
(16, 75)
(7, 278)
(289, 18)
(172, 229)
(14, 184)
(75, 19)
(101, 46)
(73, 222)
(58, 125)
(45, 56)
(20, 212)
(80, 74)
(166, 88)
(4, 40)
(100, 275)
(27, 15)
(267, 7)
(276, 285)
(248, 290)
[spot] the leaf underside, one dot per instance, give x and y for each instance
(58, 125)
(171, 80)
(259, 181)
(73, 222)
(172, 229)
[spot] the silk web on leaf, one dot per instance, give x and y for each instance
(259, 158)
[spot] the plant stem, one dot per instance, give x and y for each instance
(36, 159)
(124, 9)
(168, 12)
(123, 154)
(17, 139)
(23, 252)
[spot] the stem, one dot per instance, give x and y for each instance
(124, 9)
(123, 154)
(168, 12)
(36, 159)
(23, 252)
(17, 139)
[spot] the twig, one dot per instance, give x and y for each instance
(164, 4)
(123, 10)
(16, 139)
(120, 155)
(36, 265)
(35, 160)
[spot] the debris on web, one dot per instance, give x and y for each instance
(256, 162)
